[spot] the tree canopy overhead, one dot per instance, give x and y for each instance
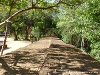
(25, 5)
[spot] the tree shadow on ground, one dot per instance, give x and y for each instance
(14, 64)
(71, 59)
(56, 60)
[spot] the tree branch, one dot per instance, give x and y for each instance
(33, 7)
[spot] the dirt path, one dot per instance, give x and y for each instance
(13, 45)
(49, 56)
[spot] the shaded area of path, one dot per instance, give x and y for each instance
(48, 56)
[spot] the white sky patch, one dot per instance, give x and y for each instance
(50, 1)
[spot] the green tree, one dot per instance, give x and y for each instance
(81, 23)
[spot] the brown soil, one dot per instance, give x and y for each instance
(48, 56)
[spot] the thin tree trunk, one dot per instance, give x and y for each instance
(5, 39)
(4, 43)
(82, 44)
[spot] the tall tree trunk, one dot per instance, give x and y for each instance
(26, 33)
(15, 35)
